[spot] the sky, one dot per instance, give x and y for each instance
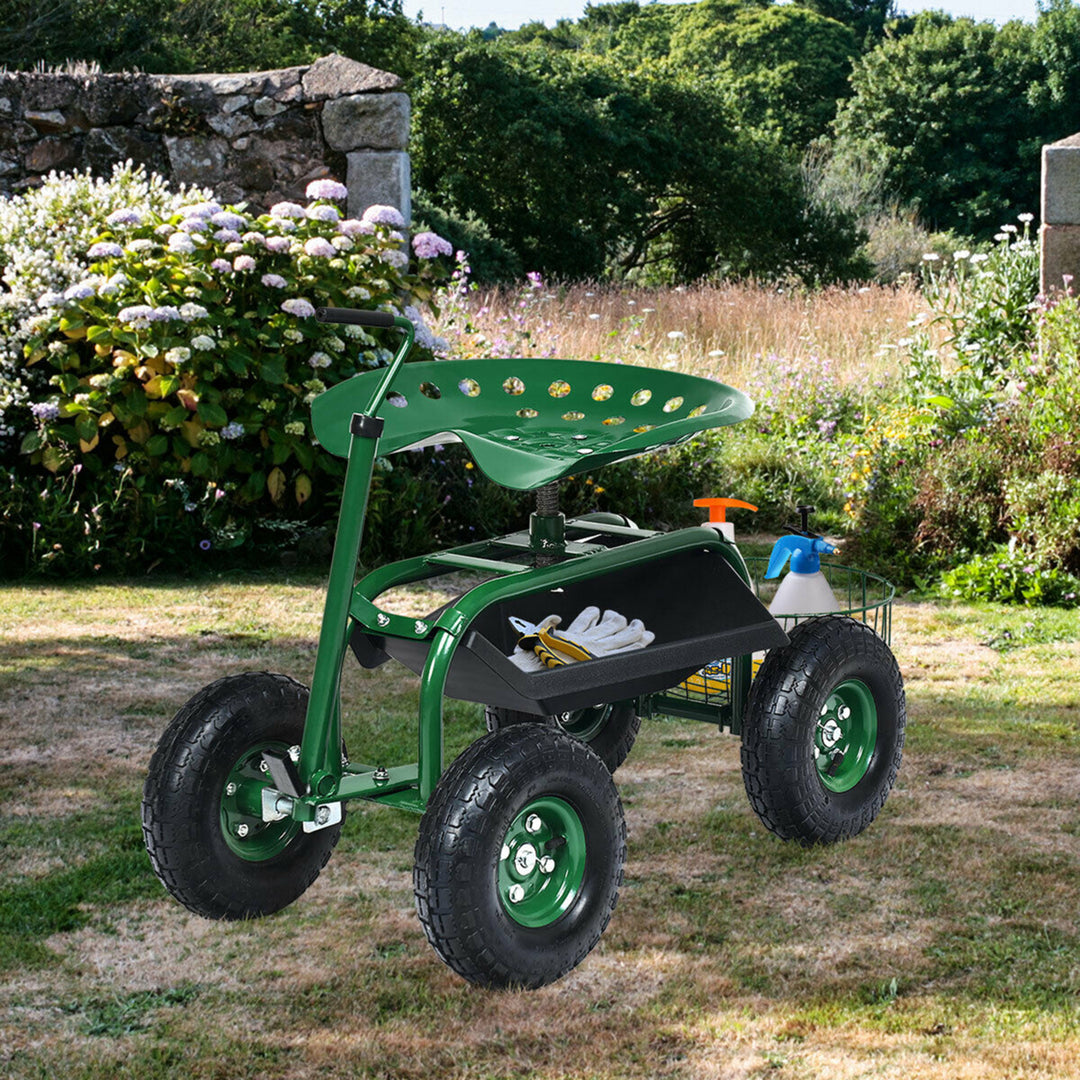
(510, 14)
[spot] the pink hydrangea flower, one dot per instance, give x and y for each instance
(274, 281)
(299, 307)
(320, 247)
(326, 189)
(278, 244)
(243, 262)
(380, 214)
(429, 245)
(353, 227)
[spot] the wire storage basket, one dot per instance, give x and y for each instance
(860, 594)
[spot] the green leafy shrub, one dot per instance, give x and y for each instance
(1008, 575)
(44, 237)
(181, 370)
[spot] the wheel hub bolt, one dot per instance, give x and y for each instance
(263, 767)
(294, 754)
(241, 831)
(322, 815)
(831, 733)
(230, 789)
(516, 894)
(547, 864)
(533, 823)
(505, 853)
(844, 712)
(525, 859)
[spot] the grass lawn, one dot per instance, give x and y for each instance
(943, 942)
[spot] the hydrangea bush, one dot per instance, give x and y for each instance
(45, 237)
(180, 367)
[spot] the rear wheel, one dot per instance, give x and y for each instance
(823, 733)
(609, 730)
(520, 857)
(202, 818)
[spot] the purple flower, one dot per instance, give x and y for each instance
(233, 430)
(396, 258)
(254, 238)
(202, 210)
(192, 224)
(352, 227)
(318, 246)
(181, 242)
(125, 216)
(81, 291)
(278, 244)
(379, 214)
(222, 266)
(534, 278)
(105, 249)
(226, 219)
(274, 281)
(286, 210)
(243, 262)
(429, 245)
(138, 315)
(302, 309)
(322, 212)
(205, 545)
(326, 189)
(45, 410)
(227, 236)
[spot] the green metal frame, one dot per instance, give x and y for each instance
(323, 776)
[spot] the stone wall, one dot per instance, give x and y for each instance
(258, 137)
(1060, 231)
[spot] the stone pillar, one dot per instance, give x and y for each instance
(1060, 231)
(365, 117)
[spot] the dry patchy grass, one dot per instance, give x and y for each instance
(941, 943)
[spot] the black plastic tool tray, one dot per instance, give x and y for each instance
(697, 606)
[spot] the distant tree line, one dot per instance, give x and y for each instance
(667, 142)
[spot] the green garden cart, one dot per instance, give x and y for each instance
(522, 839)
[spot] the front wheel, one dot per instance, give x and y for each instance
(823, 733)
(207, 842)
(520, 857)
(609, 730)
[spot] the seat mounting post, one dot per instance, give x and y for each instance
(547, 526)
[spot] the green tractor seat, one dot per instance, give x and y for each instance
(527, 423)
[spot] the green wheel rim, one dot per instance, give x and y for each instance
(845, 735)
(584, 724)
(542, 862)
(245, 832)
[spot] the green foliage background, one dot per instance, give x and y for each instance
(664, 142)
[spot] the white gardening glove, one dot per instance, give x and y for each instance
(590, 636)
(523, 655)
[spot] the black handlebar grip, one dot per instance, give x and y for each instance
(354, 315)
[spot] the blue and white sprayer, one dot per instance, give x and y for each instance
(805, 590)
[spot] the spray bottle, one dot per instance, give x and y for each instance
(718, 509)
(805, 590)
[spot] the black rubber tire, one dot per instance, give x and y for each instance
(458, 852)
(181, 808)
(611, 742)
(786, 699)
